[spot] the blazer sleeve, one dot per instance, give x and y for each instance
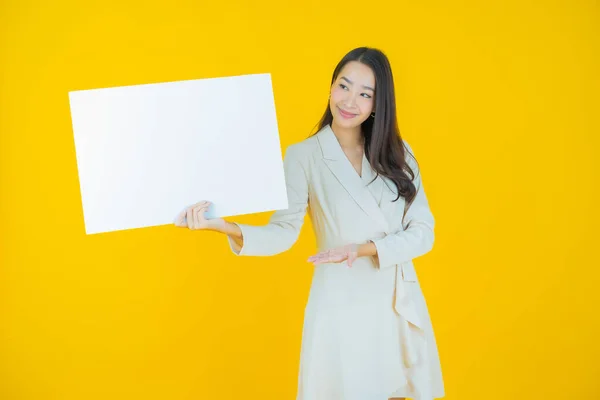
(284, 226)
(418, 235)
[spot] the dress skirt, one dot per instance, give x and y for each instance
(355, 346)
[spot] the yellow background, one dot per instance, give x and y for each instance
(499, 101)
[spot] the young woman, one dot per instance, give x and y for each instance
(367, 332)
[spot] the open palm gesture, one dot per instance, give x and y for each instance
(347, 253)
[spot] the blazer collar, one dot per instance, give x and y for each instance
(339, 164)
(330, 146)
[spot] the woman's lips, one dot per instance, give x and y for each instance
(346, 114)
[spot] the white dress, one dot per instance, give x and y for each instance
(367, 333)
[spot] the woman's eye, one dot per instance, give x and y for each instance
(366, 95)
(342, 86)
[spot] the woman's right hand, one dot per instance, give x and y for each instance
(193, 218)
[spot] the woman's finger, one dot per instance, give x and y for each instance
(195, 214)
(323, 258)
(318, 256)
(186, 217)
(351, 259)
(179, 220)
(200, 217)
(196, 224)
(313, 259)
(327, 256)
(190, 217)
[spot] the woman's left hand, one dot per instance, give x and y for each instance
(347, 253)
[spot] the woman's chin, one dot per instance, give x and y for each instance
(347, 122)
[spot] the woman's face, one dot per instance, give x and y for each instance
(353, 95)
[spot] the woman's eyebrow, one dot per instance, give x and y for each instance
(350, 82)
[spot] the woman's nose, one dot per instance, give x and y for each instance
(350, 100)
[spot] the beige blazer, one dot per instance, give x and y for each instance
(345, 209)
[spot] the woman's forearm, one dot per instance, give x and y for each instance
(234, 232)
(230, 229)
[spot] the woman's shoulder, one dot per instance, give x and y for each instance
(303, 150)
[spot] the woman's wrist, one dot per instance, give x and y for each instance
(229, 228)
(367, 249)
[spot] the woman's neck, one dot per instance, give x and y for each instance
(349, 138)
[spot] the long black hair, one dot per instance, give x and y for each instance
(384, 147)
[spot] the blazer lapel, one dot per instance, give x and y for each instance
(339, 164)
(373, 182)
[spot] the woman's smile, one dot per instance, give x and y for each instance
(346, 114)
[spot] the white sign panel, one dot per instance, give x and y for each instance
(145, 152)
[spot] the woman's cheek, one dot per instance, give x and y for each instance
(336, 95)
(366, 105)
